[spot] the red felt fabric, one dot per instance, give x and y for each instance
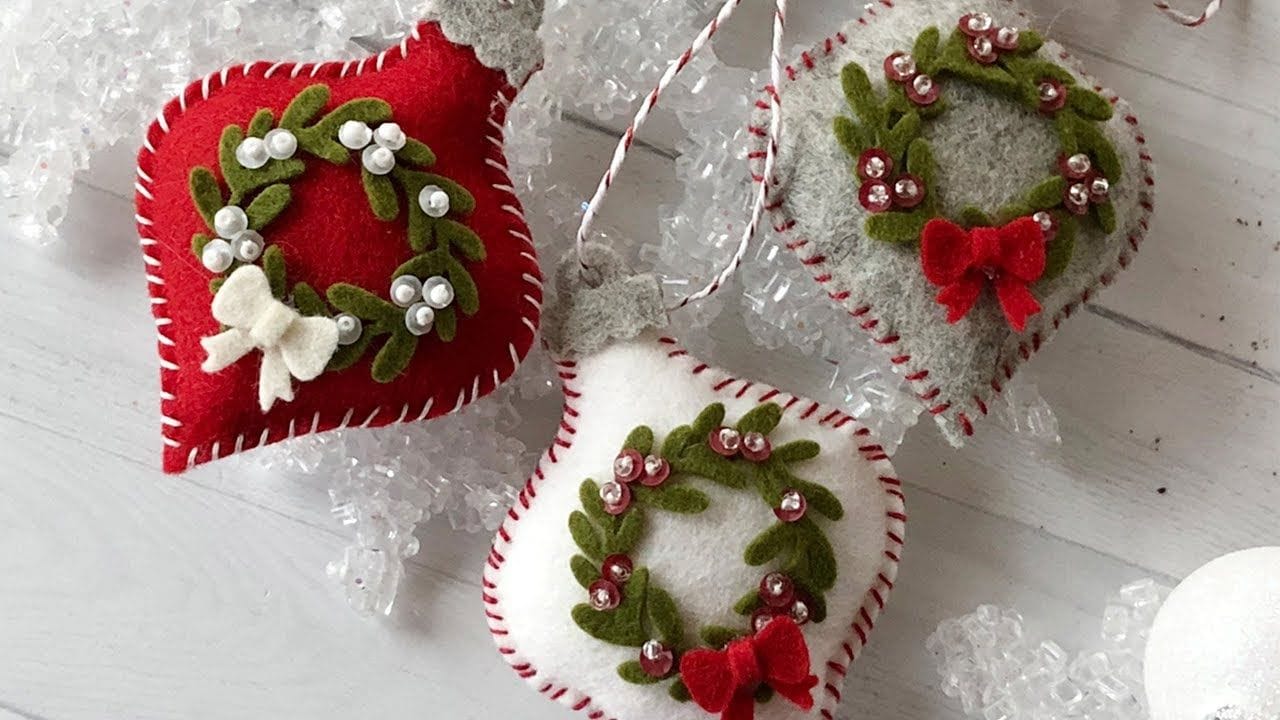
(725, 681)
(962, 262)
(441, 95)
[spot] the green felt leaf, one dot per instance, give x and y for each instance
(797, 451)
(215, 284)
(762, 419)
(584, 571)
(274, 267)
(1031, 71)
(711, 417)
(903, 134)
(1092, 140)
(466, 296)
(955, 59)
(676, 442)
(364, 305)
(898, 227)
(261, 123)
(381, 193)
(630, 531)
(702, 461)
(814, 555)
(1089, 104)
(679, 692)
(198, 241)
(718, 636)
(926, 48)
(748, 603)
(587, 536)
(325, 147)
(455, 235)
(589, 497)
(862, 98)
(1068, 142)
(770, 544)
(673, 498)
(370, 111)
(305, 107)
(395, 355)
(244, 181)
(206, 194)
(624, 624)
(1029, 41)
(416, 153)
(268, 205)
(664, 616)
(1105, 213)
(1013, 211)
(972, 217)
(820, 499)
(308, 301)
(850, 136)
(630, 671)
(640, 440)
(1047, 194)
(422, 266)
(347, 355)
(446, 325)
(920, 162)
(1060, 248)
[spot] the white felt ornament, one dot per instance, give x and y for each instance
(1214, 650)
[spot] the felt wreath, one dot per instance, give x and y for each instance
(896, 167)
(628, 607)
(257, 164)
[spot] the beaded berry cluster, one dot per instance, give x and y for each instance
(895, 165)
(626, 606)
(258, 162)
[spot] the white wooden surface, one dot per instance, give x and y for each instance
(130, 595)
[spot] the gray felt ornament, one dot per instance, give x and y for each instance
(957, 184)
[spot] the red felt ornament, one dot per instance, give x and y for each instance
(421, 197)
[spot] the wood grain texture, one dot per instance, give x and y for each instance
(133, 595)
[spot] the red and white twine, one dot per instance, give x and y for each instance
(1190, 20)
(628, 138)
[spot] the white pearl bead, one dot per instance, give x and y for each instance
(419, 319)
(217, 256)
(230, 221)
(281, 144)
(438, 292)
(252, 153)
(390, 136)
(349, 328)
(248, 246)
(434, 201)
(378, 160)
(406, 290)
(354, 135)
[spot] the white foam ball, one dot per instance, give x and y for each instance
(1215, 645)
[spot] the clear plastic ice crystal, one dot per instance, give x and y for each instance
(997, 671)
(81, 76)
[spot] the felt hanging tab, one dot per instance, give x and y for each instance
(600, 305)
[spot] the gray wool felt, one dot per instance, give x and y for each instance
(989, 151)
(607, 304)
(505, 37)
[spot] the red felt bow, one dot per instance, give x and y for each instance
(725, 681)
(962, 261)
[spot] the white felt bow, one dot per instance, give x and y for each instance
(292, 346)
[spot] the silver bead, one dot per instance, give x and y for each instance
(730, 438)
(406, 290)
(923, 84)
(652, 465)
(1078, 194)
(653, 649)
(1080, 164)
(437, 292)
(355, 135)
(248, 246)
(875, 168)
(252, 153)
(983, 46)
(879, 195)
(419, 319)
(230, 221)
(1099, 189)
(434, 201)
(1007, 37)
(1044, 219)
(791, 501)
(624, 466)
(980, 22)
(612, 492)
(350, 328)
(217, 256)
(906, 188)
(754, 441)
(281, 144)
(1048, 92)
(905, 65)
(800, 612)
(390, 136)
(378, 160)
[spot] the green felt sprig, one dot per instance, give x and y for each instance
(646, 611)
(891, 122)
(442, 246)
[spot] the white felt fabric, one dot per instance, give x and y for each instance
(698, 559)
(989, 151)
(292, 346)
